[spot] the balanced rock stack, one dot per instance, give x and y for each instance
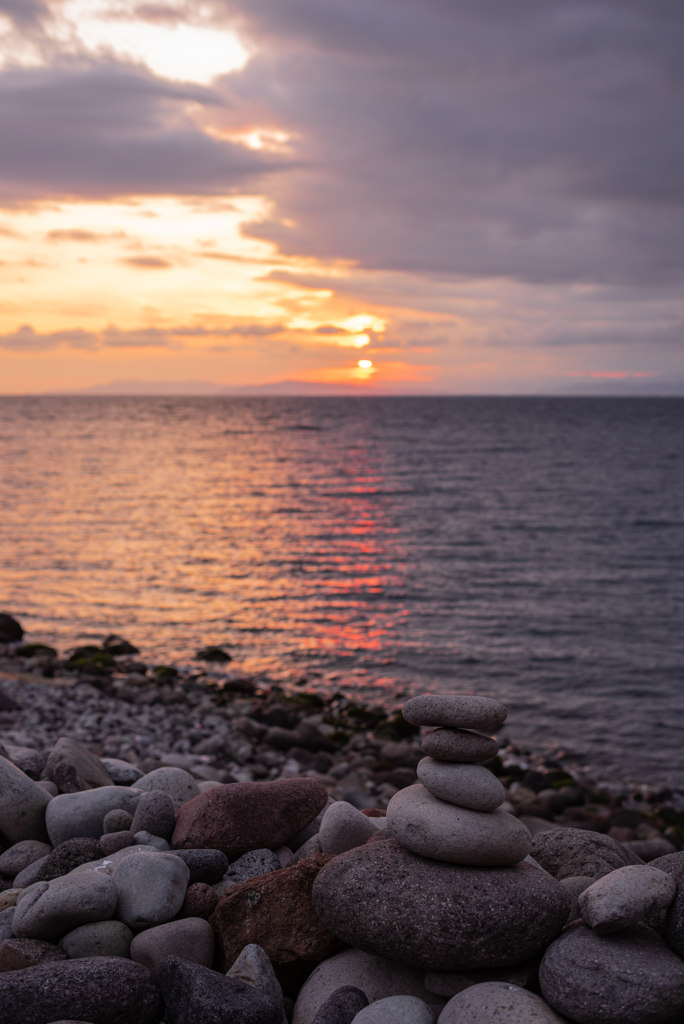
(453, 814)
(444, 886)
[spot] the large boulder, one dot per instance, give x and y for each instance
(376, 977)
(193, 993)
(629, 977)
(387, 901)
(104, 990)
(458, 835)
(567, 852)
(73, 768)
(248, 815)
(74, 815)
(275, 912)
(23, 805)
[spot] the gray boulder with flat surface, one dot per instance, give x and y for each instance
(103, 990)
(151, 888)
(193, 993)
(496, 1002)
(374, 975)
(99, 938)
(626, 896)
(568, 852)
(73, 815)
(457, 835)
(629, 977)
(191, 939)
(23, 806)
(387, 901)
(457, 710)
(57, 907)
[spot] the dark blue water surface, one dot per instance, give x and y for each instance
(526, 548)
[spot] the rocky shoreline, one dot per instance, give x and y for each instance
(199, 848)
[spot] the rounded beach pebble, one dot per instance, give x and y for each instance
(109, 990)
(179, 785)
(467, 785)
(22, 805)
(568, 852)
(342, 1006)
(190, 939)
(344, 827)
(626, 896)
(630, 977)
(396, 1010)
(459, 745)
(375, 976)
(387, 901)
(445, 832)
(54, 908)
(248, 815)
(151, 888)
(496, 1002)
(457, 710)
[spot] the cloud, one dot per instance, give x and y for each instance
(27, 339)
(103, 129)
(147, 262)
(537, 140)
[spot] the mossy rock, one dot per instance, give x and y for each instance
(35, 651)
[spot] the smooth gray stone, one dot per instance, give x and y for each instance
(23, 806)
(99, 938)
(193, 994)
(342, 1006)
(344, 827)
(121, 772)
(670, 923)
(459, 745)
(626, 896)
(179, 784)
(396, 1010)
(575, 885)
(73, 768)
(32, 872)
(496, 1002)
(191, 938)
(629, 977)
(18, 857)
(456, 710)
(155, 813)
(390, 902)
(374, 975)
(48, 786)
(254, 968)
(467, 785)
(145, 839)
(429, 827)
(568, 852)
(107, 865)
(73, 815)
(55, 908)
(103, 990)
(650, 849)
(310, 848)
(309, 830)
(151, 888)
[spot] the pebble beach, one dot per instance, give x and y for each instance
(200, 847)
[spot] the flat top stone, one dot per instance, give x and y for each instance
(458, 710)
(459, 745)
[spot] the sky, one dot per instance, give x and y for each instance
(422, 196)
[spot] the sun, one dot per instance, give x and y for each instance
(365, 364)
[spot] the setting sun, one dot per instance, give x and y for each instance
(365, 364)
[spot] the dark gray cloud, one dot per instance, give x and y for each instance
(538, 140)
(109, 129)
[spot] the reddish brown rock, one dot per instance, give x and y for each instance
(15, 954)
(248, 815)
(275, 912)
(200, 901)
